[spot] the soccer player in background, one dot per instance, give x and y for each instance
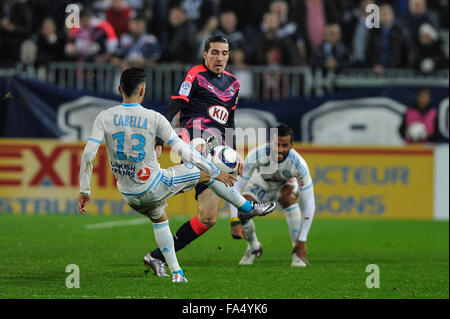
(206, 99)
(290, 181)
(129, 131)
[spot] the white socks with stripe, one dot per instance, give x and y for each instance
(294, 221)
(164, 239)
(231, 195)
(252, 240)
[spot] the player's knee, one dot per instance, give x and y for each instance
(208, 220)
(287, 197)
(207, 215)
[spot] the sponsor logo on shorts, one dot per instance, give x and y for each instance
(218, 113)
(144, 174)
(185, 88)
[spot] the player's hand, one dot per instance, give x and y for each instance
(83, 199)
(227, 179)
(158, 151)
(300, 250)
(238, 232)
(240, 167)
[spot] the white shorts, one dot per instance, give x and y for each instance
(174, 180)
(264, 191)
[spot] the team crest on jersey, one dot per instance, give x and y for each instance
(286, 174)
(218, 113)
(185, 88)
(144, 174)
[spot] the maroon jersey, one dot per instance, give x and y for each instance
(210, 102)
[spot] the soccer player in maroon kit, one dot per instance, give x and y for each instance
(206, 99)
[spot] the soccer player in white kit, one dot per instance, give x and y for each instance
(129, 131)
(291, 180)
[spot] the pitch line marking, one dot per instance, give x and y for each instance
(119, 223)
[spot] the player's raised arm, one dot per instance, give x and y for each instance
(175, 106)
(87, 161)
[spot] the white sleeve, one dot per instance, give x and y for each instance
(306, 191)
(308, 204)
(186, 151)
(299, 169)
(163, 129)
(89, 153)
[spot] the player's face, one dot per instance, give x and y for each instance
(284, 146)
(216, 58)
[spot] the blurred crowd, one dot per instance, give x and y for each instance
(327, 34)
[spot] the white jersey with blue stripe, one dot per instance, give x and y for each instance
(293, 166)
(129, 132)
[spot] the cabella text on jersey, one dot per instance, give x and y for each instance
(130, 121)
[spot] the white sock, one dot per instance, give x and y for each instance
(164, 239)
(294, 221)
(252, 240)
(231, 195)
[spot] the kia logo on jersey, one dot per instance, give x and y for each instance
(144, 174)
(218, 113)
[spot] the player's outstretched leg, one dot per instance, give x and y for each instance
(192, 229)
(184, 235)
(246, 208)
(254, 248)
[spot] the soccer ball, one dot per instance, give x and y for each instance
(224, 158)
(416, 132)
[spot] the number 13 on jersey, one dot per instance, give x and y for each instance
(120, 137)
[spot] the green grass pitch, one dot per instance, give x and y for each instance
(413, 258)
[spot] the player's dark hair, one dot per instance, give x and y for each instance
(131, 79)
(284, 130)
(214, 39)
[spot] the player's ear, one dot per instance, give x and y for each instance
(142, 90)
(204, 54)
(119, 89)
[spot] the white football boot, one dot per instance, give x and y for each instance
(297, 261)
(259, 209)
(250, 255)
(176, 277)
